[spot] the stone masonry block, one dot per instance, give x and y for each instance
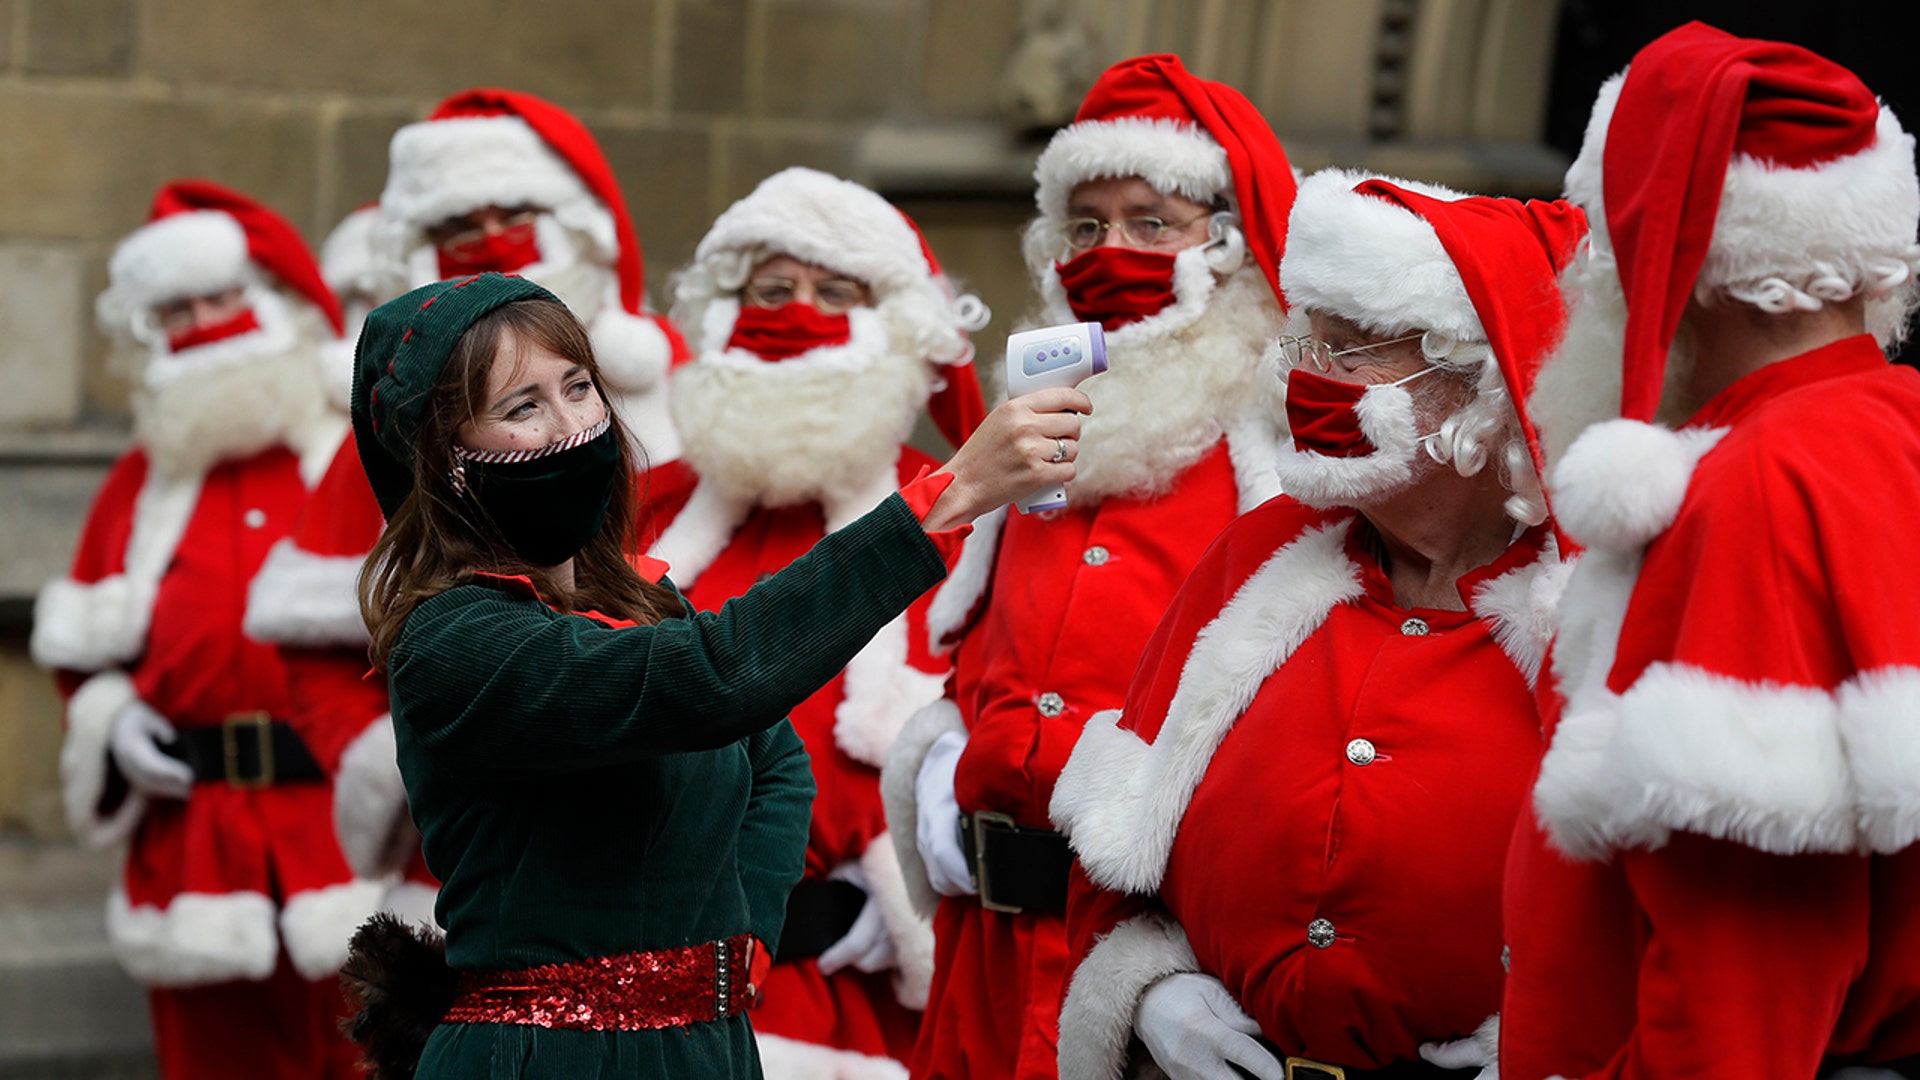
(82, 164)
(667, 178)
(44, 310)
(360, 162)
(709, 56)
(6, 33)
(29, 747)
(967, 48)
(80, 37)
(840, 61)
(752, 156)
(408, 47)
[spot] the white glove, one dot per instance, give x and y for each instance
(1480, 1050)
(1196, 1031)
(135, 742)
(938, 830)
(867, 945)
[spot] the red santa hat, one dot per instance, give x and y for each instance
(1395, 256)
(838, 224)
(201, 238)
(1149, 117)
(1722, 162)
(491, 147)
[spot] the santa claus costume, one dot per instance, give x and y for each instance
(479, 148)
(236, 904)
(795, 422)
(1050, 611)
(1309, 793)
(1719, 875)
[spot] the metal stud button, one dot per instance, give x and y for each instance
(1415, 628)
(1320, 934)
(1096, 556)
(1360, 752)
(1050, 704)
(255, 518)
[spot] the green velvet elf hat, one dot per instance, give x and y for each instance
(402, 349)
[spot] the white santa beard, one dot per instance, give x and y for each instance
(1580, 383)
(231, 410)
(1173, 388)
(817, 427)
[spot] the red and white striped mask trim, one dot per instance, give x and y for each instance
(462, 455)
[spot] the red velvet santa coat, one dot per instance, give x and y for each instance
(1055, 608)
(1308, 796)
(1719, 876)
(848, 1024)
(218, 884)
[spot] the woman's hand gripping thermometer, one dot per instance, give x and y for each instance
(1048, 357)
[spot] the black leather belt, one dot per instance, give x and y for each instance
(247, 750)
(1299, 1068)
(819, 913)
(1016, 868)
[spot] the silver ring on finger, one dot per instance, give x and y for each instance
(1059, 451)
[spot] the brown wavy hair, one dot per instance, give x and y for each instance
(438, 539)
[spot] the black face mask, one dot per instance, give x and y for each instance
(547, 503)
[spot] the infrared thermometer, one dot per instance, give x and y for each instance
(1048, 357)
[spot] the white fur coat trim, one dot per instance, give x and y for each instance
(911, 931)
(1096, 1018)
(85, 764)
(196, 940)
(1519, 606)
(897, 791)
(317, 924)
(1120, 799)
(1174, 156)
(1774, 221)
(1373, 261)
(1621, 482)
(957, 600)
(187, 254)
(1880, 724)
(300, 598)
(86, 627)
(790, 1059)
(370, 815)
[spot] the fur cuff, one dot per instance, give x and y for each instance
(1096, 1019)
(912, 932)
(1621, 483)
(1689, 750)
(632, 350)
(86, 627)
(86, 763)
(370, 803)
(897, 781)
(317, 924)
(882, 692)
(790, 1059)
(957, 601)
(1880, 724)
(196, 940)
(300, 598)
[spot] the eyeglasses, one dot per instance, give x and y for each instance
(187, 312)
(468, 242)
(1082, 233)
(1312, 351)
(832, 296)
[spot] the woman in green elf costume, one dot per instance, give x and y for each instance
(603, 779)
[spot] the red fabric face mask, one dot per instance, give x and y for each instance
(1320, 413)
(784, 332)
(1114, 286)
(503, 252)
(195, 336)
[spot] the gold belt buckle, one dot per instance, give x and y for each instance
(262, 722)
(1299, 1068)
(982, 819)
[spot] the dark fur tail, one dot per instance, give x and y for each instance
(398, 978)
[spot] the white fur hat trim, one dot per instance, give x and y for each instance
(186, 254)
(1176, 158)
(444, 168)
(1373, 262)
(1794, 224)
(824, 220)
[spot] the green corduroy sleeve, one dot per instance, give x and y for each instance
(773, 836)
(501, 687)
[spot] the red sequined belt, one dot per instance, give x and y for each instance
(638, 991)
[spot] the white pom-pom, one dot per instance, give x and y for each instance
(1622, 481)
(632, 350)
